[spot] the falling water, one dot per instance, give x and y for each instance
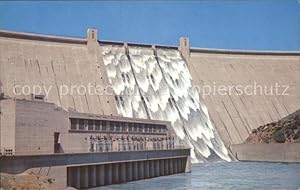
(158, 85)
(120, 76)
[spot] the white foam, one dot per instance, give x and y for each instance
(166, 87)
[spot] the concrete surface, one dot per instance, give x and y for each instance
(275, 152)
(20, 163)
(29, 127)
(45, 60)
(234, 116)
(88, 170)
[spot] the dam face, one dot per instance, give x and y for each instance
(236, 115)
(155, 83)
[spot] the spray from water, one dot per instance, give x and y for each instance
(163, 87)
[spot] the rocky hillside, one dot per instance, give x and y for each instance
(286, 130)
(26, 181)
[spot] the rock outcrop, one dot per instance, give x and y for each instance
(286, 130)
(26, 181)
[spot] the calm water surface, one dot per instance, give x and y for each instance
(222, 175)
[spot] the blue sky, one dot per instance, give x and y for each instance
(228, 24)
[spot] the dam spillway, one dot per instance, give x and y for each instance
(156, 84)
(30, 59)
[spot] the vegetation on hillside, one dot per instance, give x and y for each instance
(286, 130)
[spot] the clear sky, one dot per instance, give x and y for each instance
(228, 24)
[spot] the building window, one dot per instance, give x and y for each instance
(112, 126)
(81, 124)
(118, 126)
(129, 127)
(104, 125)
(156, 129)
(97, 125)
(8, 152)
(123, 126)
(150, 129)
(90, 125)
(38, 97)
(74, 123)
(140, 127)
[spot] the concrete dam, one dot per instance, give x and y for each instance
(154, 82)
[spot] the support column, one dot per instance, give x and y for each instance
(122, 172)
(77, 177)
(162, 167)
(100, 175)
(129, 171)
(108, 174)
(146, 164)
(167, 167)
(141, 170)
(179, 165)
(84, 177)
(152, 168)
(171, 166)
(157, 168)
(175, 165)
(69, 177)
(135, 171)
(116, 173)
(92, 176)
(188, 165)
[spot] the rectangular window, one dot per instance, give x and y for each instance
(90, 125)
(135, 127)
(73, 124)
(118, 126)
(112, 126)
(157, 128)
(150, 129)
(140, 127)
(129, 127)
(123, 126)
(97, 125)
(81, 124)
(146, 128)
(104, 125)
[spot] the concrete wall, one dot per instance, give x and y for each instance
(42, 60)
(52, 62)
(28, 127)
(96, 169)
(7, 127)
(286, 152)
(234, 116)
(36, 123)
(20, 163)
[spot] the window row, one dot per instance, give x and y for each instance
(115, 126)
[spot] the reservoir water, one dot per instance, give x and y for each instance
(224, 175)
